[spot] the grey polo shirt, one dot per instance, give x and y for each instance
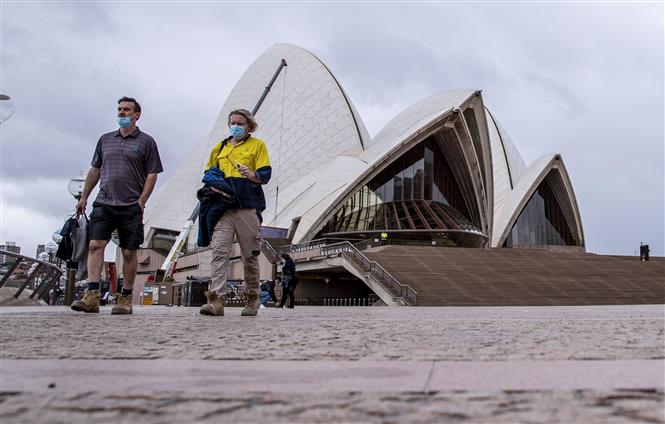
(124, 164)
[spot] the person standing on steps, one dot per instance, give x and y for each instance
(125, 163)
(243, 160)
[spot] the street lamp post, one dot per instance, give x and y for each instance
(50, 248)
(75, 188)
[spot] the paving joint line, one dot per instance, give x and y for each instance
(429, 378)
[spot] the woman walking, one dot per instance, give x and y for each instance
(242, 161)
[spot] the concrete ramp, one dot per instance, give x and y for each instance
(506, 277)
(7, 298)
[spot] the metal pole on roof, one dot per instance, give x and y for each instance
(268, 87)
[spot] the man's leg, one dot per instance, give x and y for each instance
(130, 264)
(103, 220)
(96, 259)
(130, 233)
(90, 300)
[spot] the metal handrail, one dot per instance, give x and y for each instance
(51, 274)
(392, 284)
(335, 249)
(269, 251)
(314, 244)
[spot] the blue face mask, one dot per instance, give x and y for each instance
(237, 131)
(124, 121)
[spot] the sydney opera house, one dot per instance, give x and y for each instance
(443, 169)
(441, 173)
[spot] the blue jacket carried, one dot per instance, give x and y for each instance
(213, 204)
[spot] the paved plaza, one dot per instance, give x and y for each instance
(593, 364)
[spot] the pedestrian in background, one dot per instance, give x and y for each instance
(126, 163)
(289, 281)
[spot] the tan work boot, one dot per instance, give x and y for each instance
(123, 305)
(89, 303)
(215, 305)
(252, 307)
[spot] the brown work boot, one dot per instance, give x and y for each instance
(215, 305)
(89, 303)
(252, 307)
(123, 305)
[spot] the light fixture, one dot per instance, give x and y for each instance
(75, 186)
(6, 107)
(56, 237)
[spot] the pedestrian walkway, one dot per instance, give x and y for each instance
(334, 364)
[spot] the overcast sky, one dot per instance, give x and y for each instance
(581, 79)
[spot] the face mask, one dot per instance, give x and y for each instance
(236, 131)
(124, 121)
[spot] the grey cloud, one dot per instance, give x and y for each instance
(585, 80)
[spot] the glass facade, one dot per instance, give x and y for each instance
(542, 221)
(414, 197)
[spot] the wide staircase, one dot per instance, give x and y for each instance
(502, 277)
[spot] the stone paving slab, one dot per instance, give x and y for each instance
(338, 333)
(600, 364)
(548, 375)
(196, 376)
(200, 376)
(486, 407)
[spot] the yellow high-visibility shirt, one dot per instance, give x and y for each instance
(251, 153)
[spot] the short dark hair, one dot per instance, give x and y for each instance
(137, 106)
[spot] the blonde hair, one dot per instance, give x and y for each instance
(251, 122)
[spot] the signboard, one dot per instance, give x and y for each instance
(273, 232)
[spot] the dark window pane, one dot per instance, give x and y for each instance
(541, 222)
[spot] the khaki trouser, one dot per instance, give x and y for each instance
(243, 223)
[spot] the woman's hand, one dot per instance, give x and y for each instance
(249, 174)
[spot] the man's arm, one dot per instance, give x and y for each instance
(91, 181)
(149, 185)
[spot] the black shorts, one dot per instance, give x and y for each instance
(128, 220)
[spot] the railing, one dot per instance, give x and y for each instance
(314, 244)
(46, 273)
(361, 301)
(270, 252)
(356, 257)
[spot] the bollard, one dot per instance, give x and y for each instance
(69, 288)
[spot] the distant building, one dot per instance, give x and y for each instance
(40, 249)
(9, 246)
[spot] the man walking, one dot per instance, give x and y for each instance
(126, 163)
